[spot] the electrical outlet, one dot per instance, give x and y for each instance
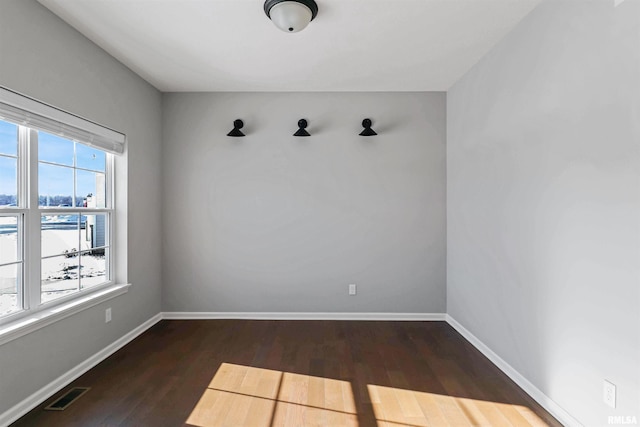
(609, 394)
(107, 315)
(352, 289)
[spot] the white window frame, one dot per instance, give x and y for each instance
(32, 116)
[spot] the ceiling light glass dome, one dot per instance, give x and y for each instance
(291, 16)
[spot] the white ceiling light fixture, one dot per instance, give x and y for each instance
(291, 16)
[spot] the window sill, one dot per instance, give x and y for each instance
(30, 323)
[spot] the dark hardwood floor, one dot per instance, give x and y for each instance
(296, 373)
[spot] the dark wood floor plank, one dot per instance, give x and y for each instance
(411, 374)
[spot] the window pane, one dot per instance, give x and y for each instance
(9, 240)
(90, 187)
(59, 234)
(55, 184)
(8, 138)
(8, 181)
(9, 302)
(54, 149)
(93, 231)
(93, 268)
(90, 158)
(59, 277)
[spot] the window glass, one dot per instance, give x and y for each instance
(9, 240)
(9, 301)
(54, 149)
(93, 231)
(90, 158)
(93, 268)
(59, 276)
(74, 246)
(55, 184)
(59, 234)
(8, 181)
(8, 139)
(90, 189)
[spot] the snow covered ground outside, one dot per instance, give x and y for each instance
(62, 274)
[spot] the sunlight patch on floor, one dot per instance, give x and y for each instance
(247, 396)
(395, 407)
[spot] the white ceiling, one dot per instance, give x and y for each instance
(352, 45)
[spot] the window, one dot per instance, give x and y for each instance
(56, 206)
(74, 216)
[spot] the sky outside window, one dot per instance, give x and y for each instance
(8, 163)
(8, 138)
(57, 179)
(54, 149)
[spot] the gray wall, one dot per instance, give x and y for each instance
(43, 57)
(274, 223)
(543, 187)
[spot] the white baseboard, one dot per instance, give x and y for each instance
(304, 316)
(545, 401)
(62, 381)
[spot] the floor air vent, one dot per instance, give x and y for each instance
(67, 399)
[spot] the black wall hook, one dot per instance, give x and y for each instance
(237, 125)
(366, 124)
(302, 131)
